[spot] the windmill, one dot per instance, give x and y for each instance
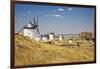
(31, 29)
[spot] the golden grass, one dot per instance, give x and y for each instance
(30, 52)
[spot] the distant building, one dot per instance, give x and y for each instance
(85, 35)
(60, 37)
(44, 37)
(51, 36)
(70, 41)
(38, 38)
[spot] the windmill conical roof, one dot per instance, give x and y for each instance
(29, 26)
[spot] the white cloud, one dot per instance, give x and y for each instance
(29, 11)
(61, 9)
(69, 9)
(57, 15)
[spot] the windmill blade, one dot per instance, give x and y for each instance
(20, 29)
(38, 31)
(34, 21)
(30, 22)
(37, 20)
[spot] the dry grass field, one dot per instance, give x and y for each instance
(30, 52)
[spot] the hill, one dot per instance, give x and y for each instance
(30, 52)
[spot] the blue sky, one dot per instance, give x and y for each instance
(58, 19)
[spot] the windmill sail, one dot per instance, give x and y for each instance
(38, 31)
(37, 20)
(30, 22)
(34, 21)
(20, 29)
(36, 25)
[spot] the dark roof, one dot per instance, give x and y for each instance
(30, 26)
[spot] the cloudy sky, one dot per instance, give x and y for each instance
(59, 19)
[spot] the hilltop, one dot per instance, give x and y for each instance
(31, 52)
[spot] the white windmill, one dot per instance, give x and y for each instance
(60, 37)
(51, 36)
(31, 30)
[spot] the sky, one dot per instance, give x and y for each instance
(58, 19)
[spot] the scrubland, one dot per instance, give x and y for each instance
(31, 52)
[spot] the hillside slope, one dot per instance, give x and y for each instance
(30, 52)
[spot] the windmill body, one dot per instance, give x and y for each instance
(51, 36)
(60, 37)
(30, 31)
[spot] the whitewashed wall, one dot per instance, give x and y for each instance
(30, 33)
